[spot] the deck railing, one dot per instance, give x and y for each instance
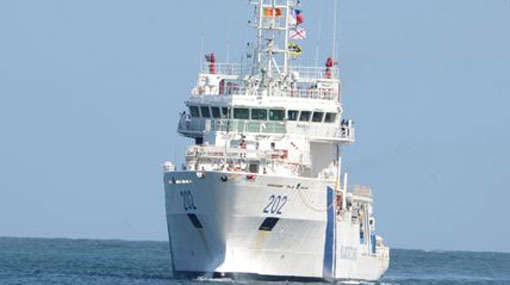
(234, 83)
(195, 126)
(303, 72)
(309, 93)
(225, 68)
(214, 153)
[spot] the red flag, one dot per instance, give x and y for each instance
(270, 12)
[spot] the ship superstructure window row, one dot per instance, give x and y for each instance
(216, 112)
(205, 112)
(194, 112)
(276, 115)
(259, 114)
(330, 118)
(317, 117)
(242, 113)
(292, 115)
(225, 113)
(305, 116)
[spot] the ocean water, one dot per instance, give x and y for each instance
(61, 261)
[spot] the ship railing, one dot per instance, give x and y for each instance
(225, 68)
(344, 133)
(347, 133)
(191, 127)
(304, 73)
(239, 90)
(196, 126)
(312, 93)
(314, 73)
(219, 154)
(323, 132)
(245, 126)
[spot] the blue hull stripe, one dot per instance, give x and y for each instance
(327, 269)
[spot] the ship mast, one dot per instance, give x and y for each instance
(273, 27)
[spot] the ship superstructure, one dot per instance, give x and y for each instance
(262, 193)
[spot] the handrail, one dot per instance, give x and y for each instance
(238, 90)
(305, 72)
(200, 125)
(225, 68)
(218, 153)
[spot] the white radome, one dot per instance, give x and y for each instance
(168, 166)
(262, 194)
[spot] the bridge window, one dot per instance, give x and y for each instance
(194, 111)
(205, 112)
(259, 114)
(305, 116)
(330, 118)
(224, 112)
(242, 113)
(276, 115)
(317, 117)
(292, 115)
(215, 112)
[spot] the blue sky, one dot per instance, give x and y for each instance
(90, 93)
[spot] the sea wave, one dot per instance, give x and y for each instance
(61, 261)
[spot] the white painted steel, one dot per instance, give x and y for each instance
(215, 205)
(231, 213)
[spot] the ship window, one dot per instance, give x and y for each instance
(216, 112)
(305, 116)
(317, 117)
(224, 111)
(330, 117)
(194, 111)
(242, 113)
(205, 112)
(259, 114)
(276, 115)
(253, 167)
(292, 115)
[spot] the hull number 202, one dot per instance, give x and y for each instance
(275, 205)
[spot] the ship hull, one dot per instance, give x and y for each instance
(262, 227)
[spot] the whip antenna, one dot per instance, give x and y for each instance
(334, 29)
(319, 31)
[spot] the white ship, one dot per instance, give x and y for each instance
(262, 193)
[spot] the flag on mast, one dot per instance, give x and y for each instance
(294, 49)
(298, 15)
(298, 34)
(273, 12)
